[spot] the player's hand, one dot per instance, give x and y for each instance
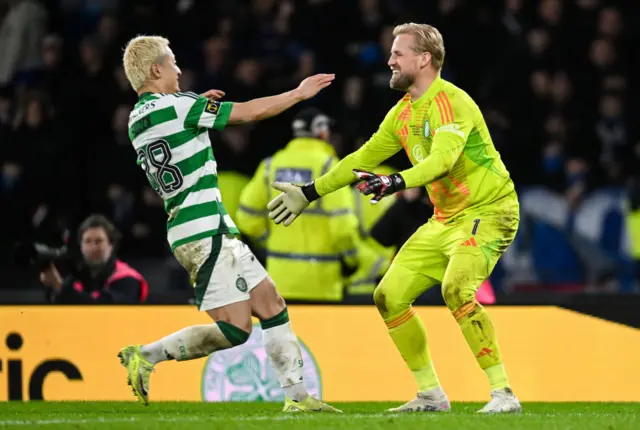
(378, 185)
(213, 94)
(286, 207)
(313, 84)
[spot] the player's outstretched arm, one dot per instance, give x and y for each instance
(266, 107)
(448, 143)
(382, 145)
(290, 203)
(294, 199)
(286, 207)
(435, 166)
(446, 151)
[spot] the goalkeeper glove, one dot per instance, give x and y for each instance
(378, 185)
(286, 207)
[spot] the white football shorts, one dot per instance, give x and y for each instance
(222, 269)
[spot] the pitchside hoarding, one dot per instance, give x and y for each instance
(69, 353)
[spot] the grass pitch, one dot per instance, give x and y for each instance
(369, 416)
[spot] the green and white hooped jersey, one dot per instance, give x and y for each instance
(169, 133)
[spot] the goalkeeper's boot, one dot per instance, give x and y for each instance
(430, 401)
(502, 401)
(138, 370)
(310, 404)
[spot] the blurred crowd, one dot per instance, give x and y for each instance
(554, 79)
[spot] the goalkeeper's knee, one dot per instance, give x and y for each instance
(465, 273)
(460, 299)
(389, 301)
(398, 290)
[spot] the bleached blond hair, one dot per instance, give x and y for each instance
(427, 39)
(140, 54)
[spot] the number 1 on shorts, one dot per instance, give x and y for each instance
(476, 222)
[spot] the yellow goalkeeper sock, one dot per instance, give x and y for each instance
(481, 336)
(410, 337)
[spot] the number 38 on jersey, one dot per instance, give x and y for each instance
(155, 160)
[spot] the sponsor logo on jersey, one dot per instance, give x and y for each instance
(147, 107)
(212, 107)
(244, 373)
(427, 128)
(451, 128)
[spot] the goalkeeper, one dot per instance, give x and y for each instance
(476, 215)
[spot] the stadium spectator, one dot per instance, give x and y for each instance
(101, 278)
(557, 88)
(21, 34)
(306, 266)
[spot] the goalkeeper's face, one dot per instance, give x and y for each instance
(404, 62)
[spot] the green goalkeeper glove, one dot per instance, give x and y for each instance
(286, 207)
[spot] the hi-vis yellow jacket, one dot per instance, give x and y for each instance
(633, 224)
(373, 264)
(304, 258)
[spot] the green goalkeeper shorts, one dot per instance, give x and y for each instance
(484, 232)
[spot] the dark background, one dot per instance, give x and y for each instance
(555, 79)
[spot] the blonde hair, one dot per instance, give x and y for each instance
(427, 39)
(140, 54)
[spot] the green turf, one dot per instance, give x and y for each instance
(369, 416)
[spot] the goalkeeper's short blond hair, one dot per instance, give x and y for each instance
(140, 54)
(427, 39)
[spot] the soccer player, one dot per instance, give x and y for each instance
(169, 132)
(476, 212)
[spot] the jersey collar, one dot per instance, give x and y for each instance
(144, 96)
(431, 92)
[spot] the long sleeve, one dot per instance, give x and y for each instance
(382, 145)
(448, 144)
(200, 112)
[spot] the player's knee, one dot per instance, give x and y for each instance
(242, 322)
(379, 298)
(457, 294)
(270, 308)
(265, 300)
(460, 300)
(387, 302)
(246, 326)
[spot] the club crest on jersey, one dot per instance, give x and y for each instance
(418, 152)
(212, 107)
(427, 128)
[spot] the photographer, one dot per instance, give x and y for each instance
(102, 278)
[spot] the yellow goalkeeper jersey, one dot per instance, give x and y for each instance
(447, 140)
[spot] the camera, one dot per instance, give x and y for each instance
(39, 255)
